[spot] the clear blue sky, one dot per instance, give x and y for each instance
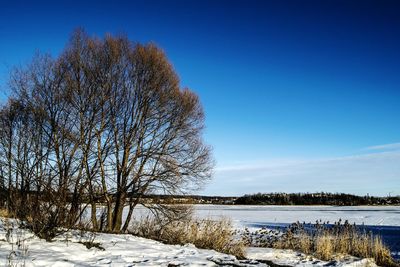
(295, 92)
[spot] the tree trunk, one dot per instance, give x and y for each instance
(128, 218)
(93, 215)
(109, 217)
(118, 210)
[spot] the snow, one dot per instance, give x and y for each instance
(24, 249)
(258, 216)
(292, 258)
(19, 247)
(382, 220)
(266, 215)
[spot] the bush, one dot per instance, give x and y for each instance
(205, 233)
(325, 242)
(44, 222)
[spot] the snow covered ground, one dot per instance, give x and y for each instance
(19, 247)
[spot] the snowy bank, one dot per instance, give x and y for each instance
(19, 247)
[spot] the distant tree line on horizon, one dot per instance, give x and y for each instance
(322, 198)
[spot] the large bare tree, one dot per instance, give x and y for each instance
(112, 124)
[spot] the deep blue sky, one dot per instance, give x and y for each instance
(295, 92)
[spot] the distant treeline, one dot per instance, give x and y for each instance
(322, 198)
(337, 199)
(332, 199)
(188, 199)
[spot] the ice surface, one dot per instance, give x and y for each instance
(259, 215)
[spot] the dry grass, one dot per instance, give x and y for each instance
(206, 233)
(4, 213)
(342, 239)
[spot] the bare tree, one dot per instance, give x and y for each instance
(112, 125)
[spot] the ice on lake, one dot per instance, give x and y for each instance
(252, 215)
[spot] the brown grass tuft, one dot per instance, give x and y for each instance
(205, 233)
(5, 214)
(341, 239)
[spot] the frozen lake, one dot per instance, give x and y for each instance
(259, 215)
(381, 220)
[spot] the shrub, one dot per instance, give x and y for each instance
(44, 222)
(325, 242)
(205, 233)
